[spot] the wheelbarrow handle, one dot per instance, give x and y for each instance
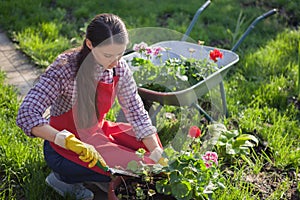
(269, 13)
(191, 26)
(252, 25)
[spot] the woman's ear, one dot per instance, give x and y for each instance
(88, 43)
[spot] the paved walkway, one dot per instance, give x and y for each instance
(16, 65)
(22, 74)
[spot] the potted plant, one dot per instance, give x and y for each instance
(158, 68)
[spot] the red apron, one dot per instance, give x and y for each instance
(116, 142)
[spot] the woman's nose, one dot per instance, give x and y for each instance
(115, 60)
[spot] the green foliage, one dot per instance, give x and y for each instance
(18, 15)
(189, 177)
(171, 74)
(43, 43)
(232, 143)
(298, 67)
(190, 174)
(280, 130)
(20, 155)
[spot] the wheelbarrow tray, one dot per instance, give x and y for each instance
(189, 95)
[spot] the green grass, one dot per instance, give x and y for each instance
(40, 26)
(21, 157)
(261, 89)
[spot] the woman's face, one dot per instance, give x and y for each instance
(108, 55)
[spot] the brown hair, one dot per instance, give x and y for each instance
(103, 29)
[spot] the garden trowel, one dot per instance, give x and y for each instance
(115, 171)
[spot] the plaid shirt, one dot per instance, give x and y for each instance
(56, 89)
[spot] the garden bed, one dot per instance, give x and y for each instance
(131, 188)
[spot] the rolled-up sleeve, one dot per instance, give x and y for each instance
(133, 106)
(49, 86)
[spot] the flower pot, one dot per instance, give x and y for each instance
(112, 186)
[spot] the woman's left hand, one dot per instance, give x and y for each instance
(156, 156)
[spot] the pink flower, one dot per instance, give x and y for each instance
(140, 47)
(210, 158)
(208, 164)
(194, 132)
(148, 51)
(157, 50)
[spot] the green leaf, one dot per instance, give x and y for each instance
(230, 150)
(248, 144)
(132, 166)
(163, 186)
(181, 190)
(231, 134)
(151, 192)
(221, 143)
(245, 137)
(221, 185)
(175, 176)
(238, 143)
(223, 138)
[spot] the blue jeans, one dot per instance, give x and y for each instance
(69, 171)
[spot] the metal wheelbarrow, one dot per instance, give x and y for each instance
(190, 96)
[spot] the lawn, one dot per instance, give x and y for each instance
(262, 89)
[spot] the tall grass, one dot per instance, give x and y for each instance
(22, 162)
(298, 67)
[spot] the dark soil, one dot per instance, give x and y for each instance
(294, 100)
(271, 179)
(127, 190)
(264, 184)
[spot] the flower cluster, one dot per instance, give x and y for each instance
(148, 51)
(215, 55)
(175, 72)
(210, 158)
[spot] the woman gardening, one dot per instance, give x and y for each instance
(80, 87)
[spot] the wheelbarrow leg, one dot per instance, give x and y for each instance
(223, 96)
(202, 112)
(199, 11)
(154, 114)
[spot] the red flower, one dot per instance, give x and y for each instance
(215, 54)
(194, 132)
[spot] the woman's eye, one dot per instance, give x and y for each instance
(107, 56)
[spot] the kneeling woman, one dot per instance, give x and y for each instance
(80, 86)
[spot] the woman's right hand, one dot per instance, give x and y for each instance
(86, 152)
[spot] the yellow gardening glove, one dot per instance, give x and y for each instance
(156, 156)
(86, 152)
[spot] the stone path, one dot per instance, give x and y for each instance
(22, 74)
(16, 65)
